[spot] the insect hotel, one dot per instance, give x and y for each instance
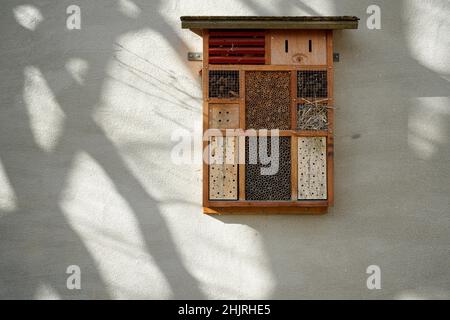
(260, 74)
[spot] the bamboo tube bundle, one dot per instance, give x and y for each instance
(275, 187)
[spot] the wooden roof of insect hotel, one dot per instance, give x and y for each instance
(197, 23)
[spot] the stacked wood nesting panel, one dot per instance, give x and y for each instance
(223, 169)
(268, 79)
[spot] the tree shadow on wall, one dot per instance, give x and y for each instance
(37, 242)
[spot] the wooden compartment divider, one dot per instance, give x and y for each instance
(294, 168)
(242, 138)
(330, 140)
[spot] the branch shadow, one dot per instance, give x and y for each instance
(38, 243)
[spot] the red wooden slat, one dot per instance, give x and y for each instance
(237, 33)
(236, 46)
(237, 50)
(237, 60)
(236, 41)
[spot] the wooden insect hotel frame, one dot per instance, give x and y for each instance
(260, 74)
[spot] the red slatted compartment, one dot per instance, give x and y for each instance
(237, 46)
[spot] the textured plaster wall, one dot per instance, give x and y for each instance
(86, 176)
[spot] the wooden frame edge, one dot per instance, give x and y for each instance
(266, 67)
(330, 138)
(241, 139)
(205, 78)
(266, 210)
(242, 206)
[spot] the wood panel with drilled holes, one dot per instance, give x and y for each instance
(223, 168)
(223, 116)
(298, 47)
(312, 168)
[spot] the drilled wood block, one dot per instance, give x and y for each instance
(312, 168)
(223, 168)
(299, 47)
(260, 185)
(223, 116)
(267, 100)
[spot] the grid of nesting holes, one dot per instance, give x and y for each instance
(223, 84)
(224, 116)
(268, 187)
(312, 84)
(267, 100)
(312, 178)
(223, 173)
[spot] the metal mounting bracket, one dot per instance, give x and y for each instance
(195, 56)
